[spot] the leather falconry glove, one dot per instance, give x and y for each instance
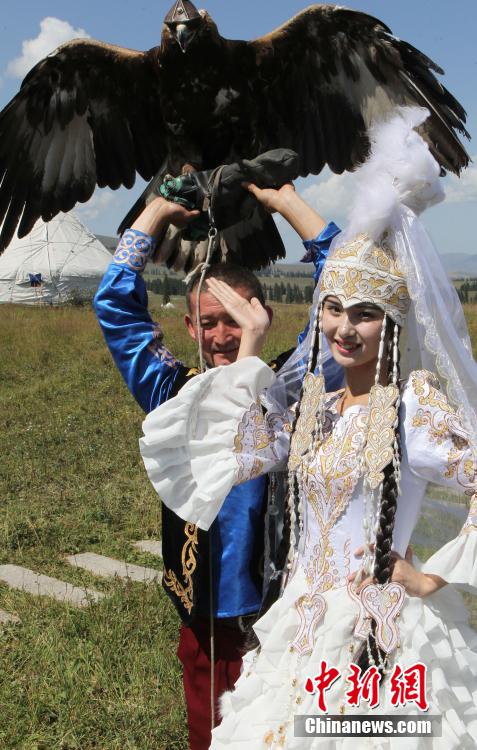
(222, 189)
(247, 233)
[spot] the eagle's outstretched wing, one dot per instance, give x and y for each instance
(326, 74)
(94, 114)
(86, 115)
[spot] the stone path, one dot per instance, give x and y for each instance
(108, 567)
(37, 584)
(27, 580)
(153, 546)
(6, 617)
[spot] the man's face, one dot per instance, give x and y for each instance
(220, 333)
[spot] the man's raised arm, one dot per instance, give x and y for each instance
(133, 338)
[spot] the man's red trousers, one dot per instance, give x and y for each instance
(194, 654)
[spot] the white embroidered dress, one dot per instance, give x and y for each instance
(214, 435)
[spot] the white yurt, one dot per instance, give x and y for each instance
(57, 262)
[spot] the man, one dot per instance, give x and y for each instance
(217, 572)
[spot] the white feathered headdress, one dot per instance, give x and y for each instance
(400, 171)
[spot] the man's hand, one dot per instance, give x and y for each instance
(403, 572)
(250, 316)
(159, 213)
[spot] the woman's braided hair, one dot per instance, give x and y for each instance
(384, 536)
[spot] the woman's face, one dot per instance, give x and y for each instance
(353, 334)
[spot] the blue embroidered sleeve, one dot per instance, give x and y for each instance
(133, 339)
(317, 252)
(317, 249)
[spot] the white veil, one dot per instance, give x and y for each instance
(398, 181)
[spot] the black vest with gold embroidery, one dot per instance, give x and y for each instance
(185, 548)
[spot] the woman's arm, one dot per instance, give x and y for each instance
(436, 445)
(212, 436)
(305, 220)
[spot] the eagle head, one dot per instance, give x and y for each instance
(183, 21)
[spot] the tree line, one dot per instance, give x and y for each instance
(467, 291)
(277, 292)
(288, 293)
(167, 287)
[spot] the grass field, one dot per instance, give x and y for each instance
(71, 480)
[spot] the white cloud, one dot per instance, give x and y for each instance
(99, 202)
(53, 32)
(331, 194)
(464, 188)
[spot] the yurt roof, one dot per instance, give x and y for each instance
(66, 254)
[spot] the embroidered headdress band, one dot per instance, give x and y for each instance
(363, 271)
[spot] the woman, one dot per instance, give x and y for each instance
(361, 627)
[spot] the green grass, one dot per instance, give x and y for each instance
(71, 480)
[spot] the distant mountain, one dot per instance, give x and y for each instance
(460, 265)
(110, 243)
(456, 265)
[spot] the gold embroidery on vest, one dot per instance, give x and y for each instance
(189, 564)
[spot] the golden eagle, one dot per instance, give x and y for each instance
(95, 114)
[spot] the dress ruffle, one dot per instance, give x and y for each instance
(193, 476)
(456, 562)
(434, 631)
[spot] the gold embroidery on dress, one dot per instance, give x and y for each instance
(311, 609)
(422, 378)
(256, 433)
(256, 469)
(313, 393)
(444, 425)
(334, 480)
(380, 441)
(338, 471)
(329, 479)
(189, 564)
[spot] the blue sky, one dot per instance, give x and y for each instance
(443, 30)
